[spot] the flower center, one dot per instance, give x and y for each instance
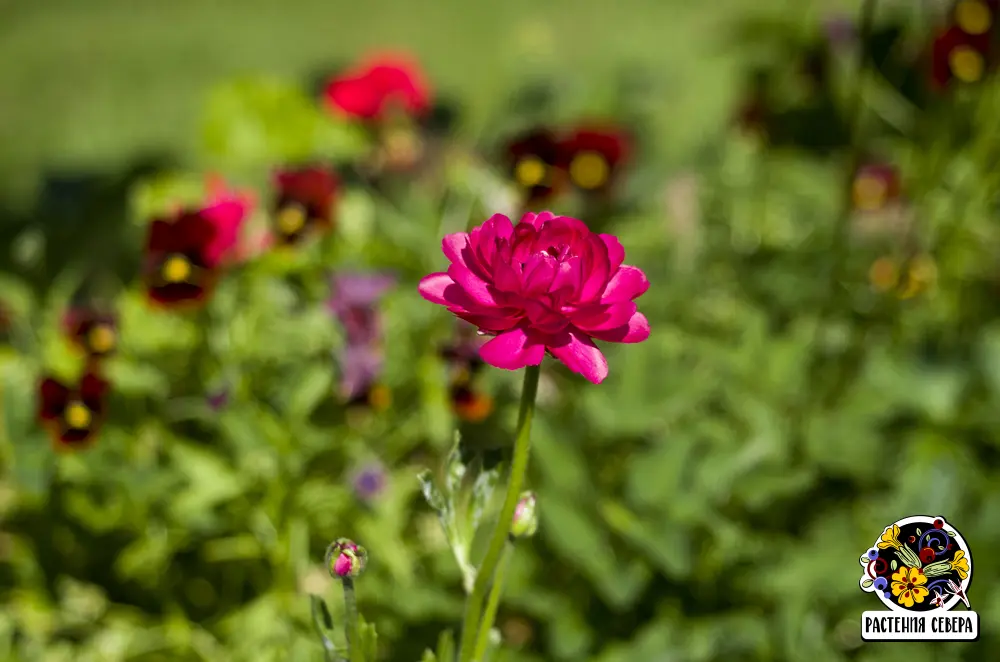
(966, 64)
(530, 171)
(401, 146)
(101, 338)
(869, 192)
(589, 170)
(884, 274)
(973, 17)
(176, 269)
(380, 398)
(291, 219)
(77, 416)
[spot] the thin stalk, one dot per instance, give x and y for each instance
(354, 652)
(518, 469)
(492, 604)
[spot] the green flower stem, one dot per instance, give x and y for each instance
(492, 604)
(522, 445)
(354, 652)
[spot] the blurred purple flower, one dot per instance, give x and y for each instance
(840, 31)
(369, 481)
(360, 366)
(218, 398)
(353, 299)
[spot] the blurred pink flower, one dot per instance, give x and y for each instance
(545, 284)
(227, 209)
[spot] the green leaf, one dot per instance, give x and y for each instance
(446, 646)
(428, 656)
(893, 565)
(431, 492)
(952, 534)
(311, 386)
(918, 532)
(482, 491)
(867, 583)
(454, 469)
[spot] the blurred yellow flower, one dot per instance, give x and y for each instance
(890, 538)
(908, 585)
(960, 564)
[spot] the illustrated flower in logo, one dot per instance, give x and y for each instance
(918, 564)
(545, 285)
(72, 414)
(908, 585)
(305, 200)
(185, 252)
(593, 156)
(92, 331)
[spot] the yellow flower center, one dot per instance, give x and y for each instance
(402, 146)
(973, 17)
(380, 398)
(870, 193)
(530, 171)
(966, 64)
(921, 275)
(589, 170)
(78, 416)
(176, 269)
(101, 338)
(291, 219)
(884, 274)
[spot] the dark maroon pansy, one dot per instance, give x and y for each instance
(533, 159)
(178, 269)
(876, 186)
(72, 415)
(959, 56)
(470, 404)
(305, 202)
(92, 331)
(594, 155)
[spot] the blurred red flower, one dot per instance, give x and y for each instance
(378, 87)
(305, 201)
(593, 155)
(547, 284)
(184, 252)
(92, 331)
(956, 54)
(72, 415)
(534, 160)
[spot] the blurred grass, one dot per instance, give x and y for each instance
(92, 83)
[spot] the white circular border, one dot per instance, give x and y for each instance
(914, 519)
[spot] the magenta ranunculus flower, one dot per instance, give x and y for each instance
(545, 284)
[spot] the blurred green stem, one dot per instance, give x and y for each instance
(474, 622)
(354, 652)
(492, 604)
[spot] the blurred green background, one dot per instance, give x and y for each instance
(708, 502)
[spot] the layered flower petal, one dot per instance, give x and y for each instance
(545, 284)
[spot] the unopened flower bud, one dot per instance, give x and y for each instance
(345, 558)
(525, 521)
